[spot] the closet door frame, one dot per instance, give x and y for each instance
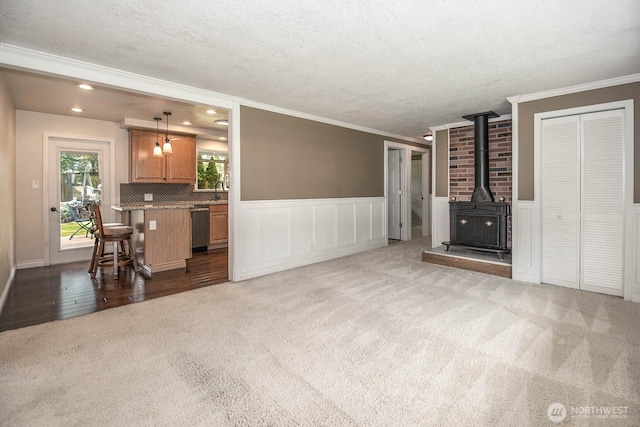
(629, 234)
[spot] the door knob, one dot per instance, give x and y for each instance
(53, 209)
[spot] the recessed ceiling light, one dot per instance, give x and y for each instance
(86, 86)
(186, 123)
(222, 122)
(77, 110)
(428, 137)
(222, 138)
(210, 111)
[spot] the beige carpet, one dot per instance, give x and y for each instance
(379, 338)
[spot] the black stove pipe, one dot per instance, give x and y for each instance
(481, 191)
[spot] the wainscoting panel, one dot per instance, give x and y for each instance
(282, 234)
(378, 222)
(440, 224)
(276, 232)
(363, 222)
(525, 259)
(325, 228)
(346, 225)
(301, 229)
(250, 237)
(631, 257)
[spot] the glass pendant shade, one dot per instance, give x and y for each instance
(166, 147)
(157, 151)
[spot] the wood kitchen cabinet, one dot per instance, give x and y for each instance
(177, 168)
(218, 224)
(167, 244)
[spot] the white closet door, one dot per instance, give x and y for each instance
(602, 201)
(561, 201)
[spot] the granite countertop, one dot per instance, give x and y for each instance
(125, 207)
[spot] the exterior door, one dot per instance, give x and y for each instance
(394, 194)
(77, 174)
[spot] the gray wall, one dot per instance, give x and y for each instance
(526, 111)
(285, 157)
(7, 184)
(442, 163)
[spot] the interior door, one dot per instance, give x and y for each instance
(560, 201)
(394, 194)
(583, 201)
(426, 197)
(602, 201)
(78, 173)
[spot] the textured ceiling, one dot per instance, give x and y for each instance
(396, 66)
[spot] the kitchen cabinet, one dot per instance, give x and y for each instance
(177, 168)
(218, 224)
(161, 237)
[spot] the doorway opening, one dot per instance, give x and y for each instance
(420, 193)
(394, 194)
(78, 172)
(407, 191)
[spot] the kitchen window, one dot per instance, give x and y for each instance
(212, 167)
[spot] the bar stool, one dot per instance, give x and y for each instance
(116, 234)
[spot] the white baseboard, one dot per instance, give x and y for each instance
(7, 287)
(30, 264)
(277, 235)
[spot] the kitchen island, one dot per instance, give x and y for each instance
(161, 233)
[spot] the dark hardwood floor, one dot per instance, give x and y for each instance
(44, 294)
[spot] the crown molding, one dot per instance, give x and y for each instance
(616, 81)
(300, 115)
(16, 57)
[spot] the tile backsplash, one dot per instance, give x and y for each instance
(134, 193)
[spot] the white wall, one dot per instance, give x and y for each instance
(7, 191)
(211, 144)
(30, 128)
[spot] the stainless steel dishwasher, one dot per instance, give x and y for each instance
(199, 227)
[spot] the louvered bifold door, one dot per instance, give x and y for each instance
(561, 201)
(602, 201)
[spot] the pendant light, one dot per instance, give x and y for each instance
(166, 148)
(157, 151)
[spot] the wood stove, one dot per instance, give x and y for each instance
(481, 223)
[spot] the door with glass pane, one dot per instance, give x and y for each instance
(77, 176)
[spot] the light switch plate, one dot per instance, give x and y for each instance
(148, 197)
(152, 225)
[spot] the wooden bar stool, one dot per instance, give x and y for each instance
(116, 234)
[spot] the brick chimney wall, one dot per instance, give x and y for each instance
(461, 163)
(461, 167)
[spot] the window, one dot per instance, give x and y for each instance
(213, 167)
